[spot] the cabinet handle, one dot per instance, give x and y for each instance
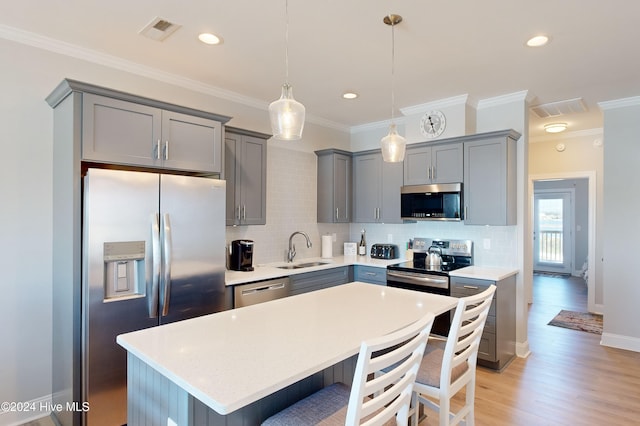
(244, 212)
(470, 287)
(433, 173)
(371, 274)
(466, 214)
(166, 150)
(429, 172)
(337, 216)
(157, 150)
(238, 212)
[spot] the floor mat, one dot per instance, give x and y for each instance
(583, 321)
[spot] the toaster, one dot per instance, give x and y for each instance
(384, 251)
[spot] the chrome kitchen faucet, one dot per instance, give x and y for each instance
(292, 247)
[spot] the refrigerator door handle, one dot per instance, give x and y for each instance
(166, 261)
(155, 268)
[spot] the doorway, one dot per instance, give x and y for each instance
(553, 224)
(584, 207)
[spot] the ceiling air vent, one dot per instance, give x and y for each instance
(555, 109)
(159, 29)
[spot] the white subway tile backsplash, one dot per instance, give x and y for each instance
(291, 206)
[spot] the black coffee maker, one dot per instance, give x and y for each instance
(241, 256)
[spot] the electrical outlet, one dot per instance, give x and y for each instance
(389, 238)
(486, 243)
(334, 237)
(171, 422)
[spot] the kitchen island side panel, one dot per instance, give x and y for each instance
(152, 398)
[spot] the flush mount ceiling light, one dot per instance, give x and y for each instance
(538, 41)
(286, 114)
(209, 38)
(349, 95)
(555, 127)
(393, 145)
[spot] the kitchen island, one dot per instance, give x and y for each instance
(245, 364)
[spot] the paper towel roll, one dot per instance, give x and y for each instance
(327, 246)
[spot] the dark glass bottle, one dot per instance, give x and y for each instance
(362, 247)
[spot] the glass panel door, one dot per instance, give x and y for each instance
(552, 242)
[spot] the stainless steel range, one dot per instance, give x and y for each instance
(433, 259)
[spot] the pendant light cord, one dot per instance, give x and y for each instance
(286, 42)
(393, 56)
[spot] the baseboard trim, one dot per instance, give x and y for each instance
(522, 349)
(25, 411)
(620, 342)
(598, 309)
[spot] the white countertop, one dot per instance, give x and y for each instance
(271, 270)
(233, 358)
(484, 273)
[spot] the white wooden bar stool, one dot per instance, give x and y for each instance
(446, 369)
(380, 400)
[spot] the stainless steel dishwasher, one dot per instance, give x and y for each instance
(260, 291)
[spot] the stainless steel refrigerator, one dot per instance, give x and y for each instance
(153, 253)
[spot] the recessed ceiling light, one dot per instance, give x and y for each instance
(209, 38)
(349, 95)
(555, 127)
(538, 41)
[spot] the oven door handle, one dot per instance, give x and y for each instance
(419, 279)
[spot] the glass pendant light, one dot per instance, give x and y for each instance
(393, 145)
(286, 114)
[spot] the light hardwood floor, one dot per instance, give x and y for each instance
(569, 378)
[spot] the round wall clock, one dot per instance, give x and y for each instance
(432, 124)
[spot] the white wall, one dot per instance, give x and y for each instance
(621, 224)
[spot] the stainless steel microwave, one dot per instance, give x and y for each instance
(431, 202)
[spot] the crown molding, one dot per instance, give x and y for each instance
(442, 103)
(619, 103)
(384, 124)
(505, 99)
(89, 55)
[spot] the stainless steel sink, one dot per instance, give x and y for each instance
(308, 264)
(302, 265)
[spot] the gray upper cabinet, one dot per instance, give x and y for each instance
(246, 175)
(335, 185)
(376, 188)
(433, 164)
(191, 143)
(123, 132)
(490, 179)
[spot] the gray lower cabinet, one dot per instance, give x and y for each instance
(370, 274)
(335, 185)
(490, 179)
(428, 164)
(118, 131)
(245, 171)
(316, 280)
(376, 188)
(497, 346)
